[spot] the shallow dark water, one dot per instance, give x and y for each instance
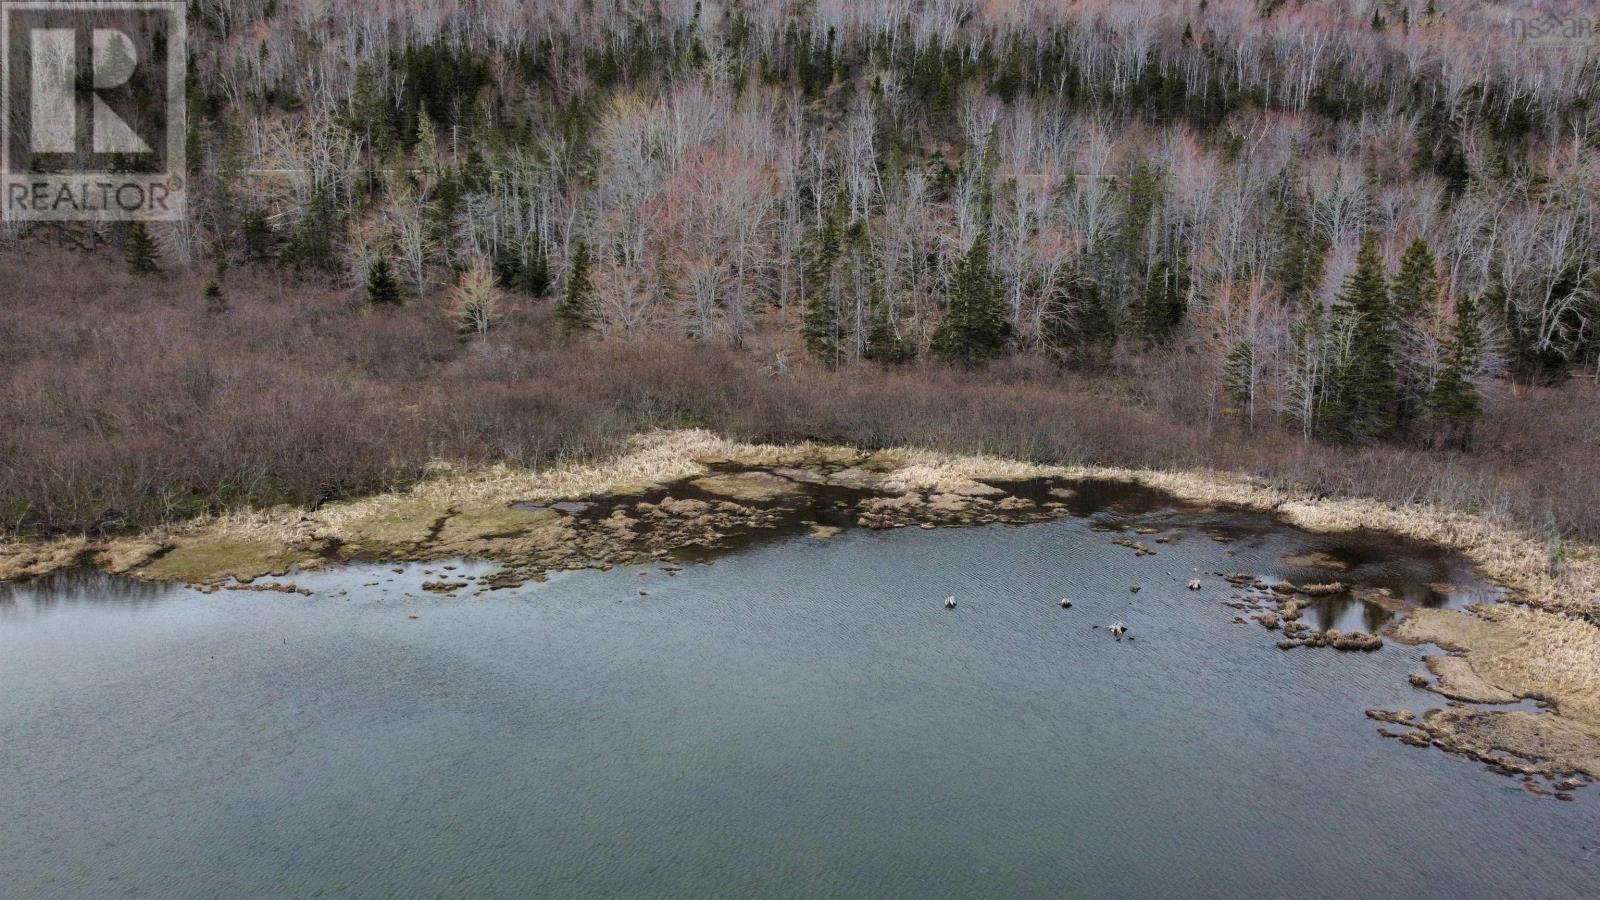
(801, 718)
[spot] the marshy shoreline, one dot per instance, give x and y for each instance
(686, 495)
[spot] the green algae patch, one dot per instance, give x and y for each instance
(204, 561)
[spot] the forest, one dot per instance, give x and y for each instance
(1352, 246)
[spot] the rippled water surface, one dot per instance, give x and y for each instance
(798, 718)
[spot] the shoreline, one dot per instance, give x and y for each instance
(1542, 644)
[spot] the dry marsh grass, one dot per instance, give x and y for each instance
(1527, 652)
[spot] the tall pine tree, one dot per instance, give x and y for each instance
(1299, 262)
(575, 310)
(140, 250)
(1161, 307)
(1361, 392)
(975, 327)
(821, 315)
(1416, 285)
(1414, 294)
(1239, 377)
(1454, 403)
(382, 288)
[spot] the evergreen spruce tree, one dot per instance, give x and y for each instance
(1361, 392)
(1161, 307)
(575, 310)
(215, 301)
(1239, 376)
(311, 246)
(382, 288)
(975, 327)
(427, 143)
(229, 204)
(1416, 284)
(256, 233)
(1413, 295)
(369, 111)
(820, 317)
(1299, 263)
(140, 251)
(1454, 403)
(534, 268)
(1082, 319)
(885, 345)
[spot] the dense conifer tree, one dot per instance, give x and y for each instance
(382, 288)
(1161, 308)
(575, 310)
(1414, 294)
(1239, 376)
(1361, 392)
(215, 301)
(975, 327)
(1455, 403)
(140, 251)
(1416, 284)
(820, 317)
(1299, 263)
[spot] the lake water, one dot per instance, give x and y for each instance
(800, 718)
